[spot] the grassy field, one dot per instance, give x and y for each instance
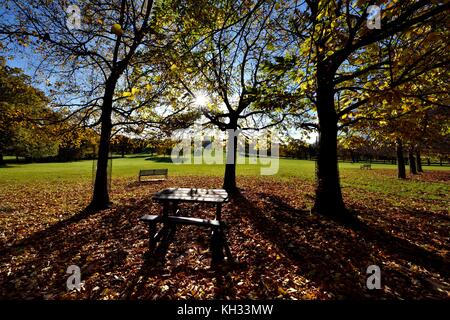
(130, 166)
(382, 179)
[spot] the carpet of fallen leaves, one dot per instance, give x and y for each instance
(282, 251)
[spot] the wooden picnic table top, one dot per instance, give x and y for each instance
(192, 195)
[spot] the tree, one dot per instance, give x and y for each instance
(410, 113)
(93, 57)
(122, 144)
(226, 61)
(336, 51)
(21, 107)
(75, 142)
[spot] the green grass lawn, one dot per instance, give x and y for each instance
(382, 179)
(130, 166)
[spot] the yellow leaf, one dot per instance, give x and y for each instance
(117, 29)
(173, 67)
(281, 291)
(304, 86)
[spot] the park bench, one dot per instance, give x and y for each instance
(153, 173)
(366, 166)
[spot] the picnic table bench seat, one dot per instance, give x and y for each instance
(366, 166)
(182, 220)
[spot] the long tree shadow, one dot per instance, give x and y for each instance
(332, 255)
(160, 159)
(37, 237)
(96, 241)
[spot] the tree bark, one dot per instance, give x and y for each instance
(229, 180)
(100, 198)
(328, 199)
(2, 161)
(412, 161)
(400, 160)
(419, 161)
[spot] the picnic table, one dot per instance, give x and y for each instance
(171, 216)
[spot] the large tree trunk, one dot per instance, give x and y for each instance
(419, 161)
(229, 180)
(400, 160)
(2, 161)
(328, 191)
(100, 198)
(412, 161)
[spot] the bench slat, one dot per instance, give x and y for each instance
(181, 220)
(192, 199)
(153, 172)
(197, 190)
(193, 221)
(150, 218)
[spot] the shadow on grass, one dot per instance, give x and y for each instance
(63, 244)
(36, 237)
(6, 166)
(335, 257)
(137, 156)
(159, 159)
(111, 248)
(104, 245)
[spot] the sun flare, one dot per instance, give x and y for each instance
(201, 100)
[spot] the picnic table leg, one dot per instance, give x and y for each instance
(165, 211)
(151, 233)
(216, 246)
(172, 226)
(168, 230)
(219, 211)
